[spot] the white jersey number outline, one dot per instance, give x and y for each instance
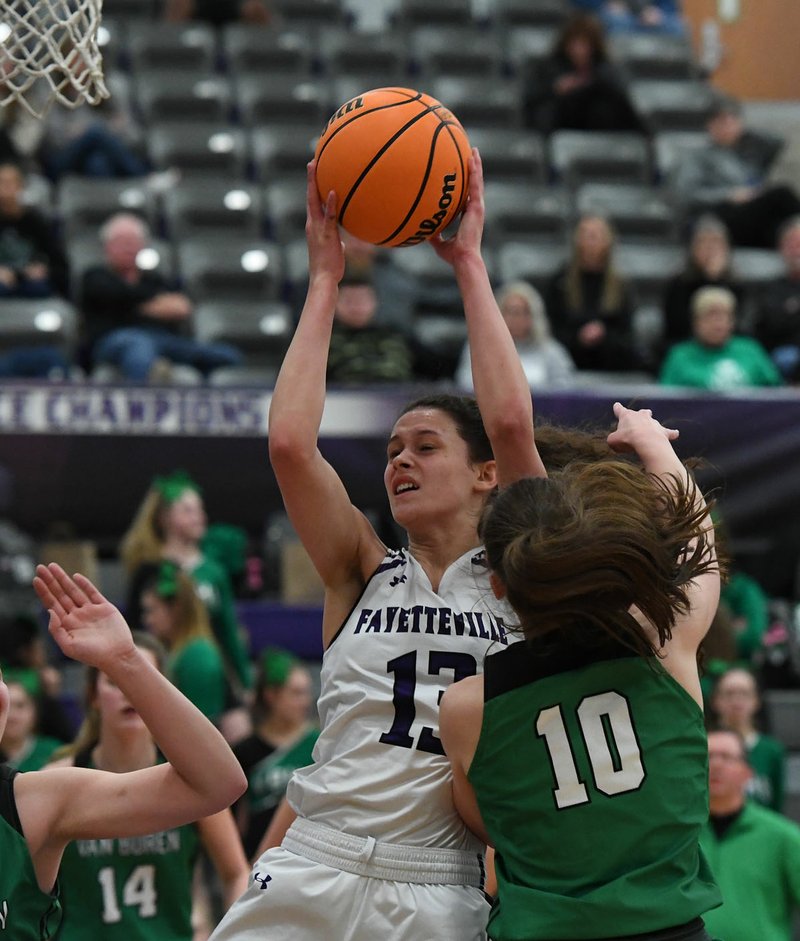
(611, 744)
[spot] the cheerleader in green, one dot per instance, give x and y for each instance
(42, 811)
(173, 612)
(137, 888)
(171, 524)
(736, 702)
(580, 754)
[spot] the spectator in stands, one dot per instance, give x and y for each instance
(170, 525)
(753, 852)
(589, 303)
(708, 264)
(23, 659)
(32, 261)
(778, 309)
(397, 291)
(748, 607)
(715, 359)
(22, 746)
(637, 16)
(220, 12)
(362, 351)
(736, 703)
(103, 140)
(545, 361)
(283, 739)
(578, 87)
(135, 320)
(728, 178)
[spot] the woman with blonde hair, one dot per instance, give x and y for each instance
(173, 612)
(136, 889)
(170, 525)
(545, 361)
(590, 304)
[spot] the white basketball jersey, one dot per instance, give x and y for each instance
(380, 769)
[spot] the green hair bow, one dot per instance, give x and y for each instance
(174, 485)
(167, 581)
(276, 665)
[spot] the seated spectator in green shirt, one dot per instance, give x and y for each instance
(173, 612)
(715, 359)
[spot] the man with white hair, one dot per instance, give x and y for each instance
(134, 319)
(714, 358)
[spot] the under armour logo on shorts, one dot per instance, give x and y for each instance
(262, 880)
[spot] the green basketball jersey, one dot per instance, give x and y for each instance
(593, 784)
(26, 913)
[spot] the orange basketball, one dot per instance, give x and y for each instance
(398, 162)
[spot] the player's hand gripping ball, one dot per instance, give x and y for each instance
(398, 162)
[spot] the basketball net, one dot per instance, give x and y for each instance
(49, 52)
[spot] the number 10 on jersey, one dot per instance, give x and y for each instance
(611, 745)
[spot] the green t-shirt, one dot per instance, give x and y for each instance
(757, 866)
(26, 913)
(739, 364)
(746, 599)
(592, 780)
(199, 673)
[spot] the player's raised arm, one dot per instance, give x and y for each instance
(639, 432)
(331, 529)
(201, 775)
(501, 388)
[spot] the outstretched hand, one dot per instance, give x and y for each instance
(84, 624)
(636, 428)
(467, 239)
(325, 248)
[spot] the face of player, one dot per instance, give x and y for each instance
(117, 715)
(429, 475)
(185, 518)
(728, 770)
(714, 326)
(21, 714)
(725, 129)
(157, 616)
(292, 701)
(736, 698)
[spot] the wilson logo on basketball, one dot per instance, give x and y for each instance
(427, 227)
(346, 108)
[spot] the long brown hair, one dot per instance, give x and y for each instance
(577, 550)
(174, 588)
